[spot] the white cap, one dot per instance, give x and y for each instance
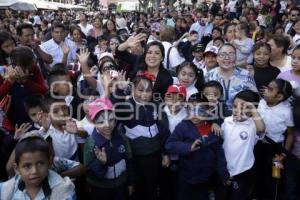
(211, 49)
(106, 54)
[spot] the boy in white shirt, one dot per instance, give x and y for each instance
(241, 131)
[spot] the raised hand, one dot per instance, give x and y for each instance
(122, 82)
(21, 130)
(44, 121)
(71, 126)
(101, 154)
(196, 145)
(83, 55)
(134, 40)
(65, 49)
(11, 74)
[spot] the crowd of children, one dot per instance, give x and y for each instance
(118, 112)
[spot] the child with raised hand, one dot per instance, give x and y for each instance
(107, 155)
(35, 180)
(277, 115)
(62, 129)
(138, 114)
(200, 152)
(241, 131)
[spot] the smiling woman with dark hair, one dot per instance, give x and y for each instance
(150, 61)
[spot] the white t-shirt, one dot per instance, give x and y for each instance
(86, 29)
(277, 119)
(174, 58)
(287, 66)
(239, 141)
(64, 144)
(231, 6)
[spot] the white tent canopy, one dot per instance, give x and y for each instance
(44, 5)
(21, 5)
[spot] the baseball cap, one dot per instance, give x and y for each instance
(211, 49)
(99, 105)
(198, 47)
(177, 89)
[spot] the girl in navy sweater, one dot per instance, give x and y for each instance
(145, 132)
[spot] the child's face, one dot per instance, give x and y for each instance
(174, 101)
(103, 44)
(197, 113)
(238, 110)
(198, 55)
(34, 112)
(212, 94)
(186, 76)
(296, 60)
(33, 168)
(216, 34)
(218, 43)
(262, 56)
(210, 60)
(8, 46)
(297, 27)
(105, 122)
(270, 93)
(59, 113)
(143, 91)
(63, 86)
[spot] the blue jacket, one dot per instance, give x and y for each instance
(117, 169)
(199, 166)
(146, 133)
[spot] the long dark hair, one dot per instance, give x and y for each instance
(4, 36)
(198, 72)
(161, 48)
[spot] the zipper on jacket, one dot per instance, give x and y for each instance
(147, 121)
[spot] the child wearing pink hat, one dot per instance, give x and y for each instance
(107, 155)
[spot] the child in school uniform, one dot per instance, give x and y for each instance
(172, 114)
(107, 155)
(200, 152)
(139, 116)
(241, 132)
(277, 115)
(34, 179)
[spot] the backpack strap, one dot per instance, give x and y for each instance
(168, 57)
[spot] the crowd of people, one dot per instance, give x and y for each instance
(185, 104)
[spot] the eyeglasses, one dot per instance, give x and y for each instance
(225, 55)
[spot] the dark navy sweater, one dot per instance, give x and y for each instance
(199, 166)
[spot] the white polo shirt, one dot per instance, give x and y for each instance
(277, 119)
(64, 144)
(54, 49)
(239, 141)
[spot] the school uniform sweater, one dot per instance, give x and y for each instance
(118, 166)
(144, 131)
(199, 166)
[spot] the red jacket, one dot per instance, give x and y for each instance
(36, 84)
